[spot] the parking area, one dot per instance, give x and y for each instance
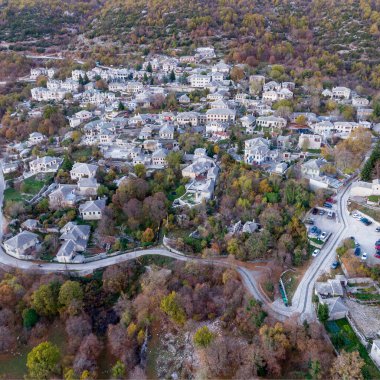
(366, 236)
(323, 222)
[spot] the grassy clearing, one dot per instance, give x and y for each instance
(343, 337)
(28, 188)
(290, 280)
(82, 154)
(365, 210)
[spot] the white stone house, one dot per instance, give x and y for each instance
(312, 168)
(310, 141)
(200, 167)
(184, 99)
(271, 122)
(159, 157)
(36, 138)
(270, 96)
(257, 151)
(341, 92)
(199, 81)
(248, 122)
(45, 164)
(221, 114)
(63, 196)
(187, 118)
(166, 132)
(87, 187)
(92, 210)
(77, 74)
(42, 94)
(360, 102)
(22, 245)
(82, 170)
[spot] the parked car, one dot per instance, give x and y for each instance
(331, 200)
(328, 205)
(309, 221)
(330, 214)
(322, 212)
(364, 256)
(335, 264)
(377, 255)
(377, 229)
(357, 251)
(366, 221)
(315, 252)
(323, 236)
(356, 215)
(315, 211)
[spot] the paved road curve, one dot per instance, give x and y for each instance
(302, 300)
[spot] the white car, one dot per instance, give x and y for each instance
(364, 256)
(323, 236)
(356, 215)
(315, 252)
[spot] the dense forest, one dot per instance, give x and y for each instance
(198, 316)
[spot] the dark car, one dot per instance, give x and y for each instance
(377, 255)
(357, 251)
(328, 205)
(335, 265)
(330, 200)
(315, 211)
(322, 212)
(366, 221)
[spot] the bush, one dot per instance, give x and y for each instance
(30, 318)
(203, 337)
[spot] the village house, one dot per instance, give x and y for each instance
(77, 74)
(22, 246)
(341, 92)
(82, 170)
(257, 151)
(42, 94)
(199, 81)
(63, 196)
(360, 102)
(248, 122)
(75, 238)
(271, 86)
(312, 168)
(200, 167)
(36, 138)
(309, 141)
(187, 118)
(221, 114)
(166, 132)
(271, 122)
(79, 118)
(159, 157)
(45, 164)
(87, 187)
(92, 210)
(184, 99)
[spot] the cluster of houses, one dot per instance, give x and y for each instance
(120, 118)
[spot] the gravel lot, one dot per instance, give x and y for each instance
(367, 318)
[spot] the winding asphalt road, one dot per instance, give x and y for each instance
(301, 308)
